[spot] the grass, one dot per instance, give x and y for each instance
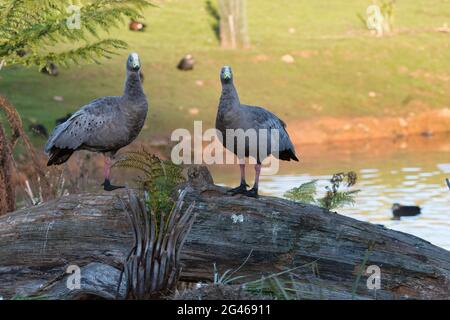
(337, 63)
(361, 270)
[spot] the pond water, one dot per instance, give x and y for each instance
(409, 171)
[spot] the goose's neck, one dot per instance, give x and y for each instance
(133, 88)
(229, 96)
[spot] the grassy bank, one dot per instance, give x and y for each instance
(339, 68)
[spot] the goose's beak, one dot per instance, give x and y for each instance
(227, 75)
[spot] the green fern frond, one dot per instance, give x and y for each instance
(30, 30)
(88, 53)
(336, 200)
(333, 198)
(159, 177)
(304, 193)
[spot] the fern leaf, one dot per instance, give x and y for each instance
(30, 30)
(304, 193)
(333, 201)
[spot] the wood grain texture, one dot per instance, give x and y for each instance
(92, 231)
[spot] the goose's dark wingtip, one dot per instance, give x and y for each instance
(54, 162)
(288, 155)
(59, 156)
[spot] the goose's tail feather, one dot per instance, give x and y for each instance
(59, 156)
(288, 155)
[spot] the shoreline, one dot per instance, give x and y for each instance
(329, 130)
(345, 129)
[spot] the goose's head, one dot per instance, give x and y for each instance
(133, 62)
(226, 75)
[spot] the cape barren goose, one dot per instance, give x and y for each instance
(105, 125)
(233, 115)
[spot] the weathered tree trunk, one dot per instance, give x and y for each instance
(93, 232)
(233, 24)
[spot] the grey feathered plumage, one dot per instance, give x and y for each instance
(104, 125)
(232, 114)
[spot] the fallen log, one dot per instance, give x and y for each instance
(329, 251)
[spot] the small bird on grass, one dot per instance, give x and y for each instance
(231, 114)
(136, 26)
(38, 129)
(105, 125)
(50, 69)
(187, 63)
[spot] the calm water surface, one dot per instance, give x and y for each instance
(408, 171)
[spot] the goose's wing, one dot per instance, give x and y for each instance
(93, 125)
(260, 118)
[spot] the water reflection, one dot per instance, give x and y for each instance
(407, 171)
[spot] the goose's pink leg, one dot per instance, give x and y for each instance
(107, 172)
(257, 173)
(107, 168)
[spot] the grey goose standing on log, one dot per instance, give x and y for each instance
(233, 115)
(105, 125)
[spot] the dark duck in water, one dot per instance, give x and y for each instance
(404, 211)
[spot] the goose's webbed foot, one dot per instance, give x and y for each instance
(107, 186)
(242, 189)
(253, 193)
